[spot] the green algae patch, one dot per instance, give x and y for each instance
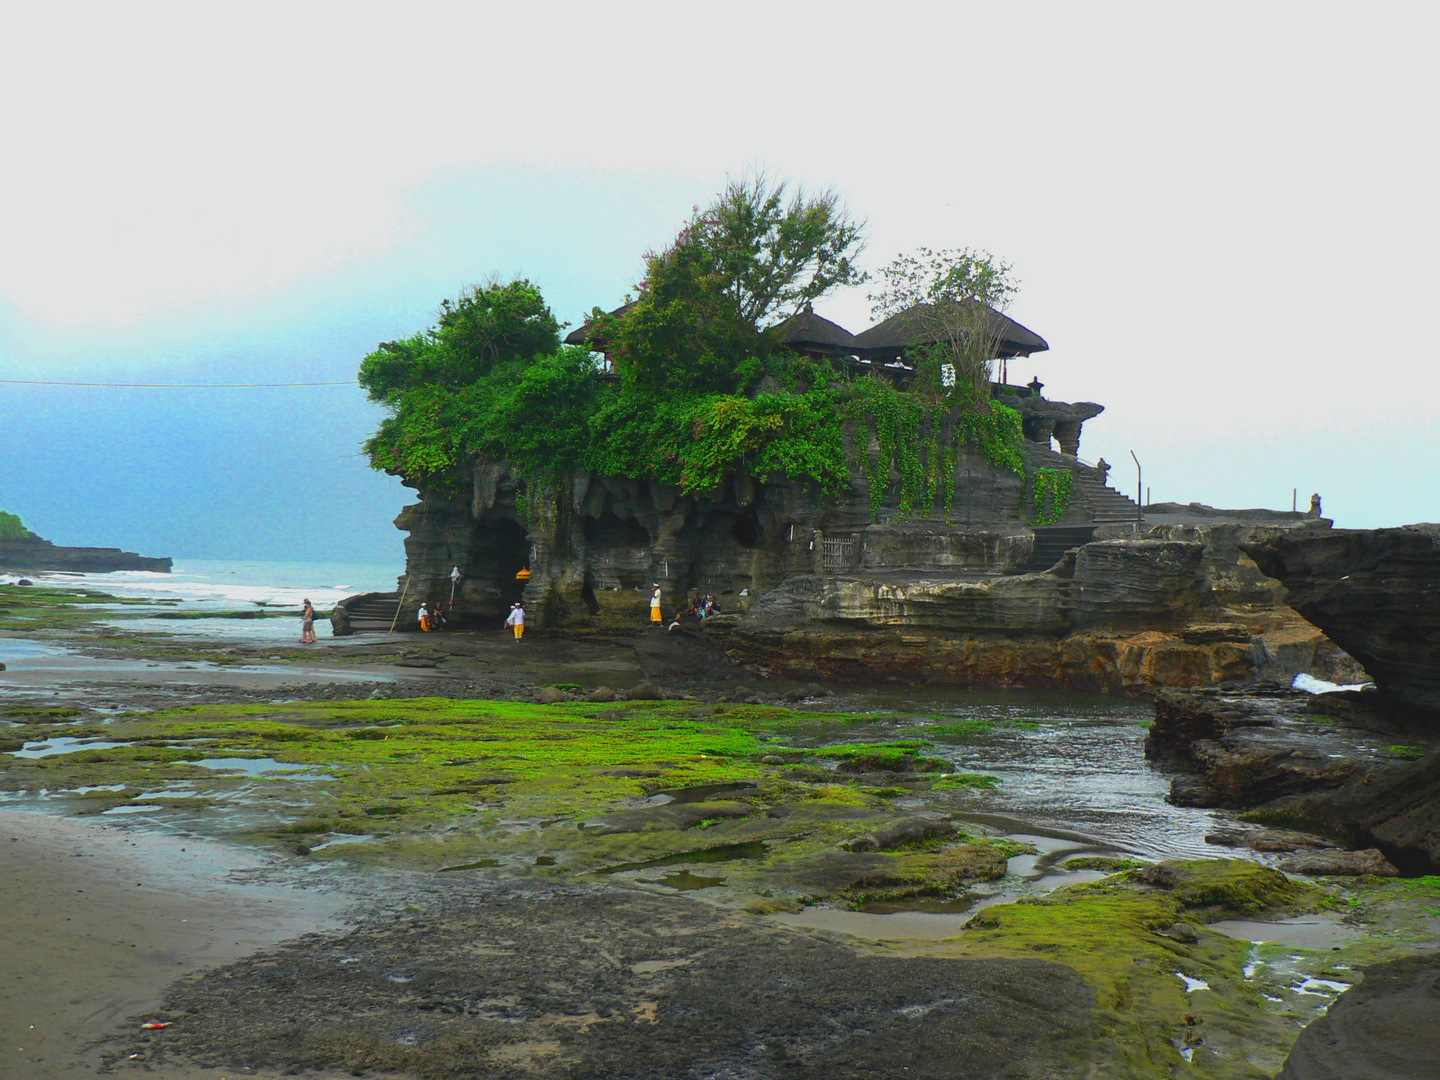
(965, 780)
(1161, 999)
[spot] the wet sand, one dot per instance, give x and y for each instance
(98, 920)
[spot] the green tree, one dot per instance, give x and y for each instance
(12, 528)
(707, 310)
(487, 326)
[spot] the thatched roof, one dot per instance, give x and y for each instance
(581, 334)
(920, 324)
(805, 329)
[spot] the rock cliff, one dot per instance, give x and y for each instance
(33, 555)
(1375, 593)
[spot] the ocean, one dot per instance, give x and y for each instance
(230, 585)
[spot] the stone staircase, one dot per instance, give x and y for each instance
(372, 612)
(1109, 507)
(1051, 544)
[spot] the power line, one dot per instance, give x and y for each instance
(173, 386)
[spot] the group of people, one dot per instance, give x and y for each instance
(432, 619)
(702, 606)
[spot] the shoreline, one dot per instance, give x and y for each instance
(101, 920)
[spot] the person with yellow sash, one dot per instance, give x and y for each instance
(655, 617)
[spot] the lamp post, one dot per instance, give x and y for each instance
(1139, 493)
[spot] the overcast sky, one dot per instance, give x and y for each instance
(1223, 218)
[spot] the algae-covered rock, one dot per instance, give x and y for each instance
(549, 695)
(1224, 888)
(930, 873)
(907, 832)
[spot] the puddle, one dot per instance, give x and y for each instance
(51, 747)
(1191, 985)
(685, 881)
(133, 808)
(702, 793)
(1324, 987)
(250, 766)
(753, 849)
(1300, 932)
(931, 926)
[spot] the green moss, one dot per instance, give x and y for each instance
(1107, 931)
(965, 780)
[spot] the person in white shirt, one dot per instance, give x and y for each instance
(517, 620)
(655, 616)
(424, 617)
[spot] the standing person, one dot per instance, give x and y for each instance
(655, 617)
(517, 620)
(424, 617)
(307, 624)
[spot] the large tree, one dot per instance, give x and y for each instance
(706, 312)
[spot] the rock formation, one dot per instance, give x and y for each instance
(1375, 593)
(34, 555)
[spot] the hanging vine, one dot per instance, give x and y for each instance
(1051, 494)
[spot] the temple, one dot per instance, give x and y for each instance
(593, 546)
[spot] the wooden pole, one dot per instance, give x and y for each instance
(403, 592)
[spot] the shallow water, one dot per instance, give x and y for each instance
(1068, 764)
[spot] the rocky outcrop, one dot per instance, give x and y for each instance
(33, 555)
(845, 586)
(1344, 766)
(1375, 593)
(1177, 606)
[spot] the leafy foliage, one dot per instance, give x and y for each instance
(11, 527)
(1051, 489)
(706, 390)
(706, 316)
(487, 327)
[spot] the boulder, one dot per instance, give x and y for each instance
(1266, 839)
(549, 695)
(1385, 1028)
(644, 691)
(600, 695)
(1347, 863)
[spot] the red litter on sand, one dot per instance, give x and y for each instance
(153, 1026)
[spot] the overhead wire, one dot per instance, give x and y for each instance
(173, 386)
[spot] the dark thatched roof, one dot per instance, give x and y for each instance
(581, 334)
(919, 326)
(806, 329)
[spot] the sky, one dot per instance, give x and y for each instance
(1222, 218)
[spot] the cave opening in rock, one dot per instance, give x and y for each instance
(587, 595)
(512, 554)
(746, 530)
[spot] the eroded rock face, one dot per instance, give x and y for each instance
(1375, 593)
